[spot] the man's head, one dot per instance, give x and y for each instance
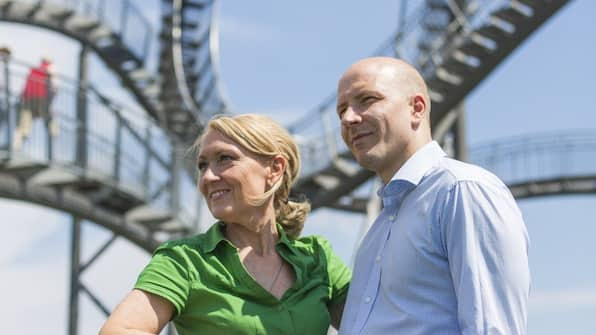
(384, 106)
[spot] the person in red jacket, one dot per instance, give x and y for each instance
(36, 99)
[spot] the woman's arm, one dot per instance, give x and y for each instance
(140, 313)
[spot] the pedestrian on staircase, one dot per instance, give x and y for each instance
(36, 101)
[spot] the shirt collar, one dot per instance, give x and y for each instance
(411, 173)
(215, 235)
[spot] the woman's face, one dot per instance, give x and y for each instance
(228, 176)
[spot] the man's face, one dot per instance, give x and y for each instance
(375, 118)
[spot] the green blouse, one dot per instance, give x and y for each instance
(212, 292)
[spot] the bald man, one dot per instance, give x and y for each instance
(448, 254)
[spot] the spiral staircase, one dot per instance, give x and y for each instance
(129, 173)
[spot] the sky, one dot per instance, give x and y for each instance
(283, 60)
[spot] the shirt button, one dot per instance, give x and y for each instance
(378, 259)
(367, 300)
(391, 218)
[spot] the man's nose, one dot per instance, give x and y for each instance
(350, 117)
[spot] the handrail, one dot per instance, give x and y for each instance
(126, 147)
(118, 18)
(539, 156)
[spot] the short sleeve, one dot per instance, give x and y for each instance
(166, 275)
(339, 274)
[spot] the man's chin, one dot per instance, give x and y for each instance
(365, 159)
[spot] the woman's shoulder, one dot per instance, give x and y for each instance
(202, 242)
(181, 244)
(313, 243)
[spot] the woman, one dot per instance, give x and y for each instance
(250, 273)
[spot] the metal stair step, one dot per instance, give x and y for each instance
(460, 63)
(449, 77)
(476, 46)
(440, 85)
(327, 182)
(57, 12)
(167, 22)
(171, 226)
(514, 13)
(141, 74)
(495, 30)
(346, 167)
(118, 54)
(532, 3)
(193, 4)
(101, 32)
(82, 24)
(436, 96)
(22, 9)
(152, 90)
(54, 177)
(148, 215)
(23, 168)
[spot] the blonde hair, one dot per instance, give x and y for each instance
(265, 138)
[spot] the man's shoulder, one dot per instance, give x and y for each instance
(453, 171)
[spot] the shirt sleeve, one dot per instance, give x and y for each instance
(487, 246)
(339, 274)
(166, 275)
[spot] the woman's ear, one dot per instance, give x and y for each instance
(277, 168)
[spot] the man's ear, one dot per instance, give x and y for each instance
(277, 168)
(419, 110)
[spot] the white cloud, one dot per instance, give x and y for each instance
(546, 301)
(238, 30)
(34, 298)
(25, 224)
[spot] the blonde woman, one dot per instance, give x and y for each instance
(250, 273)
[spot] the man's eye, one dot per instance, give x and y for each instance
(368, 99)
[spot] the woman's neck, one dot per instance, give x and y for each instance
(260, 235)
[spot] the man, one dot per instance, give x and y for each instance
(448, 253)
(36, 100)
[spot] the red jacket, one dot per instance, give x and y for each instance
(38, 82)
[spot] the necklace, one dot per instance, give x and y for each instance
(281, 265)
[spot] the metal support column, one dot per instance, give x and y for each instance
(6, 115)
(459, 132)
(176, 168)
(81, 129)
(75, 261)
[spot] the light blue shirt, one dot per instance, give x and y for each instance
(448, 254)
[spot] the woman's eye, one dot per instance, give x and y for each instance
(225, 158)
(201, 166)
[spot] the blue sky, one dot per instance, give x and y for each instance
(282, 60)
